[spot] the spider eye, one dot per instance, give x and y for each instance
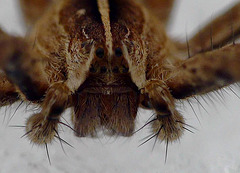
(100, 52)
(125, 69)
(103, 69)
(118, 52)
(92, 69)
(115, 70)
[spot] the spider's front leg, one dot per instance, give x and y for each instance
(24, 67)
(8, 93)
(168, 123)
(42, 128)
(223, 30)
(206, 72)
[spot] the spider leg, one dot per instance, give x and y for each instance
(161, 8)
(33, 9)
(8, 93)
(166, 124)
(219, 32)
(42, 127)
(24, 68)
(21, 66)
(205, 72)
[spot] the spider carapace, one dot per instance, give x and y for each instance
(105, 58)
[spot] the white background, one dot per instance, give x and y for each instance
(214, 148)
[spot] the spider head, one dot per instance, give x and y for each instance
(108, 96)
(109, 66)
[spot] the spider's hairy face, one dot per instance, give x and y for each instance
(108, 90)
(104, 59)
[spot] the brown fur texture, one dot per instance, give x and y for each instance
(114, 111)
(33, 10)
(161, 8)
(104, 59)
(8, 93)
(204, 72)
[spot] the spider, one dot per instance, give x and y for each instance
(104, 59)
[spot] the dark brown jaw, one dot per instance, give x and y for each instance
(112, 107)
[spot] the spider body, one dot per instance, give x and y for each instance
(104, 59)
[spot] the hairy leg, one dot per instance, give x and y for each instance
(33, 9)
(42, 128)
(23, 67)
(168, 123)
(8, 93)
(219, 32)
(161, 8)
(205, 72)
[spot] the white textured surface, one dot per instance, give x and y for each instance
(214, 148)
